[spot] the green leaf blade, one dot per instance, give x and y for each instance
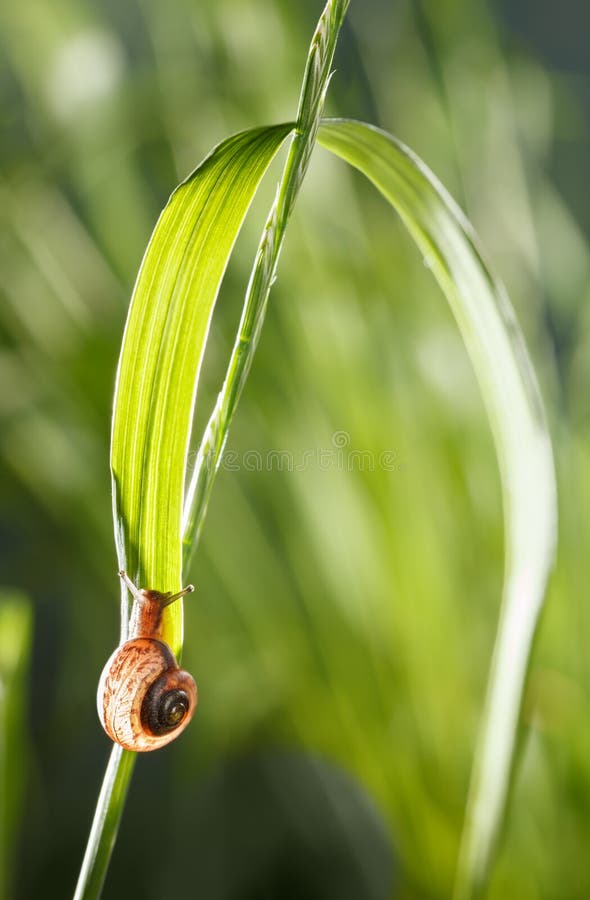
(163, 348)
(502, 365)
(157, 379)
(16, 627)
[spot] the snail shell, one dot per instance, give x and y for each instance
(144, 699)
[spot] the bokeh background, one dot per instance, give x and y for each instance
(346, 607)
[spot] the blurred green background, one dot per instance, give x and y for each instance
(348, 584)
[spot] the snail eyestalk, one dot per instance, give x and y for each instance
(187, 590)
(135, 591)
(139, 594)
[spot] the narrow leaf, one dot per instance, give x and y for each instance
(311, 104)
(161, 357)
(162, 352)
(500, 359)
(15, 648)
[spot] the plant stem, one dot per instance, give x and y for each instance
(111, 800)
(311, 104)
(105, 824)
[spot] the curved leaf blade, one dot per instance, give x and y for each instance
(504, 370)
(161, 356)
(163, 348)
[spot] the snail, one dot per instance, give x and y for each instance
(144, 699)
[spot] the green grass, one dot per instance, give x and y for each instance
(343, 613)
(15, 648)
(161, 358)
(508, 384)
(159, 368)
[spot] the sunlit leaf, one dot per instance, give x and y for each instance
(496, 347)
(162, 352)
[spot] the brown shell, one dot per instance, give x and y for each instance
(125, 681)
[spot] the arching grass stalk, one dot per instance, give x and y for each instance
(311, 103)
(496, 347)
(163, 347)
(156, 526)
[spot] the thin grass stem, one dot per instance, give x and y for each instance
(105, 824)
(311, 104)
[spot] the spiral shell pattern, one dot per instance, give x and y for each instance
(144, 700)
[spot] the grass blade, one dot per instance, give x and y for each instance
(311, 103)
(163, 348)
(496, 347)
(105, 826)
(162, 351)
(15, 646)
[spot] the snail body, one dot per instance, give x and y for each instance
(144, 699)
